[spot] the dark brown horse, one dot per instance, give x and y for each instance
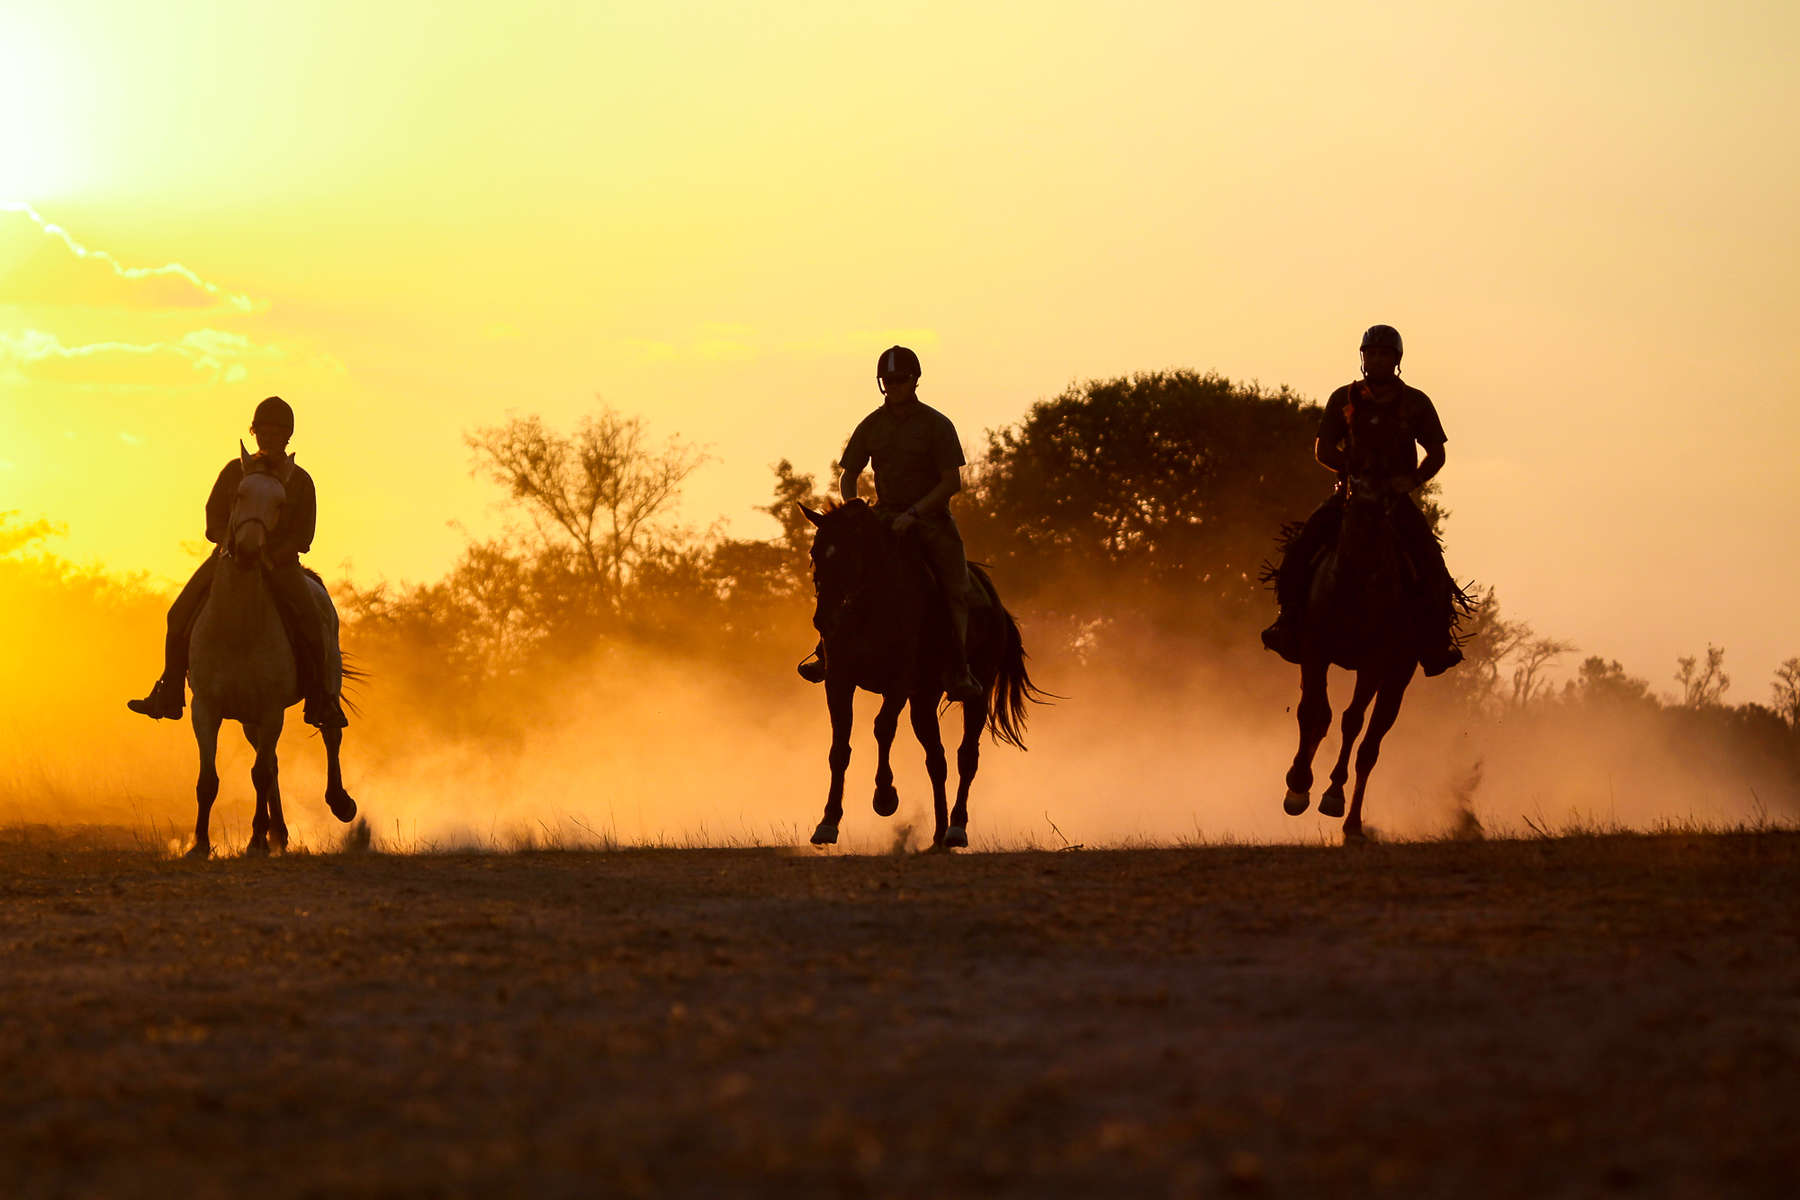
(885, 628)
(1364, 612)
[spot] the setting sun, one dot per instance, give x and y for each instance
(38, 154)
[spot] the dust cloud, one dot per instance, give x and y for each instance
(634, 747)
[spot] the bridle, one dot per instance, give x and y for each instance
(237, 523)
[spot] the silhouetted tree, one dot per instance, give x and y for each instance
(599, 491)
(1530, 658)
(1605, 682)
(1786, 689)
(1703, 685)
(1155, 498)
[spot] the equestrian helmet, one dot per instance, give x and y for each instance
(274, 411)
(1384, 336)
(898, 360)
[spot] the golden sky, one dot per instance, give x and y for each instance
(409, 218)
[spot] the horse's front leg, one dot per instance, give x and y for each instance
(278, 830)
(206, 789)
(1387, 711)
(1314, 716)
(1331, 804)
(925, 728)
(968, 761)
(840, 701)
(342, 806)
(263, 776)
(887, 721)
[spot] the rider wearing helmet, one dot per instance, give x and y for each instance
(271, 425)
(918, 463)
(1372, 429)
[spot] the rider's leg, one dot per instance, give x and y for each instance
(944, 545)
(300, 615)
(1438, 650)
(812, 667)
(1294, 577)
(166, 698)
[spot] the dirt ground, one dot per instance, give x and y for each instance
(1578, 1017)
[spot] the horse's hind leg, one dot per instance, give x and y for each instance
(1387, 711)
(840, 701)
(887, 721)
(342, 806)
(1314, 716)
(206, 788)
(968, 761)
(925, 728)
(1331, 804)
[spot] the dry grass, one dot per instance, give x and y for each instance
(1480, 1018)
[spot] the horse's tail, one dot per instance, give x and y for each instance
(1012, 688)
(350, 674)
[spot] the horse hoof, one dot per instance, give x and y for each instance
(258, 848)
(956, 837)
(198, 854)
(278, 842)
(1331, 804)
(825, 834)
(342, 806)
(887, 801)
(1355, 837)
(1296, 802)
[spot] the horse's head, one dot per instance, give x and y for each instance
(1368, 547)
(844, 558)
(256, 508)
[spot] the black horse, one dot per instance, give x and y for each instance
(885, 628)
(1365, 612)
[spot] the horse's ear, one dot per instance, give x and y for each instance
(243, 455)
(812, 516)
(287, 472)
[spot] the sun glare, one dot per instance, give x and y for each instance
(38, 158)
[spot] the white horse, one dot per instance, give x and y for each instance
(241, 666)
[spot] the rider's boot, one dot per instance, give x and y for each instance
(1283, 637)
(323, 711)
(812, 667)
(164, 701)
(962, 686)
(1442, 653)
(1440, 659)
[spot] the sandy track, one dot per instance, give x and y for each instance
(1615, 1016)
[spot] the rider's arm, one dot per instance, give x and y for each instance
(938, 498)
(218, 503)
(1328, 448)
(300, 518)
(856, 457)
(1434, 461)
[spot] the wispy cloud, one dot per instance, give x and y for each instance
(201, 357)
(44, 264)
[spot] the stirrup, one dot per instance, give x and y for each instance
(1436, 662)
(332, 717)
(964, 687)
(1283, 640)
(164, 703)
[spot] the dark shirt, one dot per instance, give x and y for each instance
(1378, 433)
(911, 445)
(293, 532)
